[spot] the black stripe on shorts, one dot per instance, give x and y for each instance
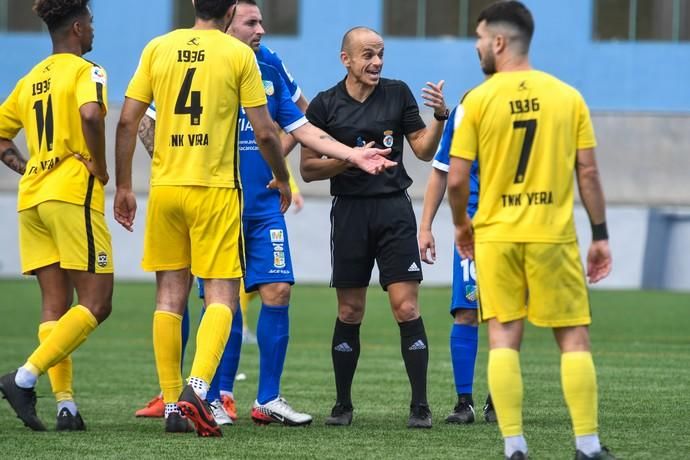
(91, 268)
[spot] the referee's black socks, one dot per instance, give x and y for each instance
(345, 354)
(415, 353)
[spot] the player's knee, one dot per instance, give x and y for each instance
(466, 317)
(350, 314)
(406, 311)
(278, 294)
(102, 311)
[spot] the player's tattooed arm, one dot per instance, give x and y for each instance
(10, 155)
(147, 132)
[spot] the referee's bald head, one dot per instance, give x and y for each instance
(353, 34)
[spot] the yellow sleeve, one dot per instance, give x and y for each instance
(294, 188)
(252, 93)
(466, 135)
(585, 130)
(91, 86)
(10, 123)
(140, 85)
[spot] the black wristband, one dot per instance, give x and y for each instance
(443, 117)
(600, 232)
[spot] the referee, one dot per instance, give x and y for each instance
(371, 216)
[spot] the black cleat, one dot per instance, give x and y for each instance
(420, 416)
(489, 411)
(463, 411)
(517, 455)
(22, 400)
(176, 423)
(604, 454)
(341, 415)
(68, 422)
(198, 412)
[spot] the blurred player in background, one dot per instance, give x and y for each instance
(464, 334)
(531, 134)
(63, 236)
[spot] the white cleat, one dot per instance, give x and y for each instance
(278, 411)
(219, 414)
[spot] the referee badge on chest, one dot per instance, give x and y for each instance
(388, 138)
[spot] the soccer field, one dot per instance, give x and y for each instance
(641, 347)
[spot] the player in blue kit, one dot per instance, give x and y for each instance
(463, 304)
(269, 268)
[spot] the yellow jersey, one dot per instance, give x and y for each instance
(46, 102)
(198, 80)
(524, 128)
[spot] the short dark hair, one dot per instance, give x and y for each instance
(246, 2)
(58, 13)
(513, 13)
(212, 9)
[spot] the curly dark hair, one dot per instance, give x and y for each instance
(57, 13)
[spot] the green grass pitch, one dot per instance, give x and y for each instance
(641, 346)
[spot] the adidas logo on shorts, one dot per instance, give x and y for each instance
(343, 348)
(418, 345)
(413, 267)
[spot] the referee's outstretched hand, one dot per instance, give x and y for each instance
(372, 160)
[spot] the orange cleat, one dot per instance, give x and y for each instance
(229, 406)
(154, 408)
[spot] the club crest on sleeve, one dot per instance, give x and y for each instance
(98, 75)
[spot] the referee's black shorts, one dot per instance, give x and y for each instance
(381, 228)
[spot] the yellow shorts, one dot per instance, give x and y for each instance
(197, 227)
(543, 282)
(73, 235)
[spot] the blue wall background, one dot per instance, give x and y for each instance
(613, 76)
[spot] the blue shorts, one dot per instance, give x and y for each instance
(464, 284)
(267, 253)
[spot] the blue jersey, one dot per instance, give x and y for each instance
(254, 171)
(268, 56)
(442, 160)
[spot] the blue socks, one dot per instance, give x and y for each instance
(224, 378)
(185, 333)
(272, 333)
(463, 353)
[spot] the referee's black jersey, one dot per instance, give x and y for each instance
(385, 117)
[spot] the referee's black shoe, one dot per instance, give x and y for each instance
(420, 416)
(341, 415)
(22, 400)
(68, 422)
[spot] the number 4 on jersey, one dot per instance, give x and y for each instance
(194, 109)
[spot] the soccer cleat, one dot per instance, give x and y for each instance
(22, 400)
(279, 411)
(198, 412)
(420, 416)
(517, 455)
(229, 406)
(604, 454)
(154, 408)
(176, 423)
(68, 422)
(341, 415)
(219, 414)
(463, 411)
(489, 411)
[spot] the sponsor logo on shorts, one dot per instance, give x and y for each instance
(277, 235)
(471, 292)
(388, 138)
(413, 268)
(102, 259)
(279, 259)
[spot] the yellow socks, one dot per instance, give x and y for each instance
(505, 386)
(60, 375)
(211, 338)
(167, 347)
(68, 333)
(579, 382)
(245, 300)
